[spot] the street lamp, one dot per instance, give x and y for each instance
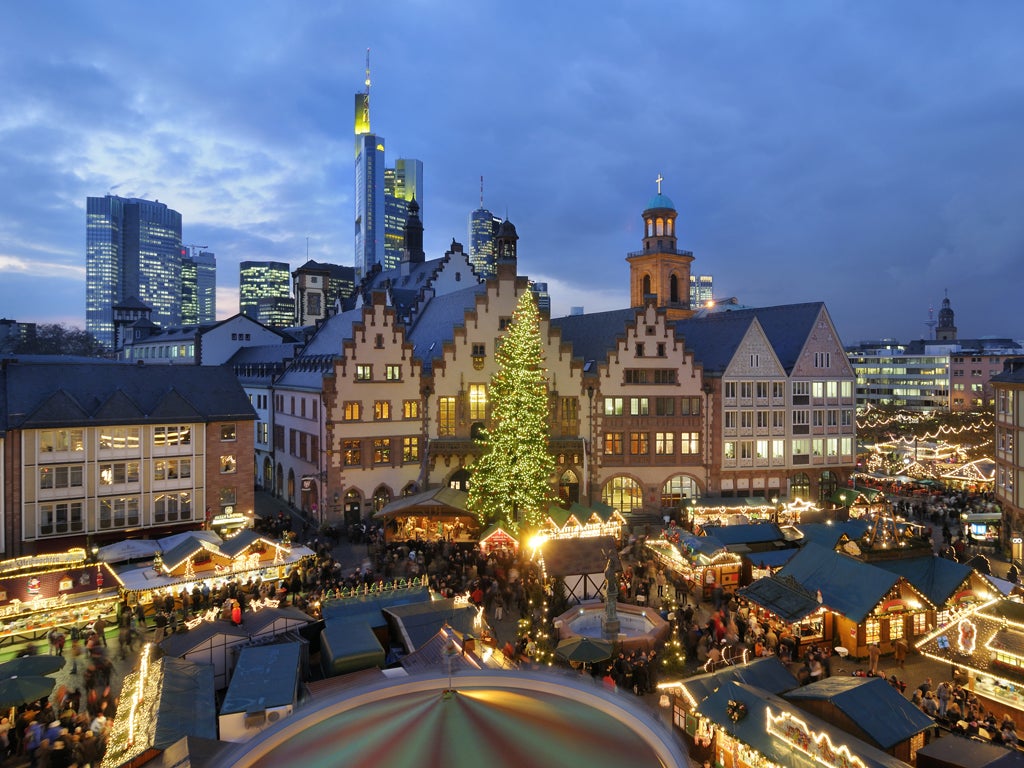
(775, 509)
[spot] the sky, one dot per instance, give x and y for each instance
(867, 154)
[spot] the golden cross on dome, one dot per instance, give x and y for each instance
(659, 180)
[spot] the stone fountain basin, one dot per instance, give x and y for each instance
(640, 627)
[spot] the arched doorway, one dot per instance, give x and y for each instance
(677, 491)
(828, 483)
(290, 496)
(279, 484)
(623, 494)
(353, 507)
(268, 475)
(800, 487)
(569, 487)
(460, 480)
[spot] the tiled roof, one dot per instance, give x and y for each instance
(66, 393)
(436, 323)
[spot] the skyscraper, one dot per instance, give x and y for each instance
(483, 226)
(402, 184)
(369, 222)
(133, 250)
(702, 290)
(198, 286)
(264, 293)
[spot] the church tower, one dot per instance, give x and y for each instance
(660, 272)
(946, 329)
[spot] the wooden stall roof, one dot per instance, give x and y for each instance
(574, 557)
(435, 502)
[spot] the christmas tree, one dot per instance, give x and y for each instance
(511, 481)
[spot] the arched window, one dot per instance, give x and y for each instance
(677, 491)
(623, 494)
(673, 289)
(569, 487)
(650, 227)
(670, 226)
(268, 475)
(828, 483)
(279, 485)
(380, 498)
(659, 226)
(291, 486)
(800, 487)
(460, 480)
(646, 285)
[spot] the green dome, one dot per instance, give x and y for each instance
(660, 201)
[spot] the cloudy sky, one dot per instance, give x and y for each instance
(867, 154)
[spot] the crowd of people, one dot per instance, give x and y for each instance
(957, 709)
(69, 727)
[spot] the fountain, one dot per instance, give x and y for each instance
(631, 627)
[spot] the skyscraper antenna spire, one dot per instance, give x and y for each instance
(481, 191)
(367, 74)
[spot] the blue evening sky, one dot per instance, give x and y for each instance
(867, 154)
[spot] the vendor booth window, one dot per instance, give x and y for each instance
(895, 627)
(872, 631)
(920, 623)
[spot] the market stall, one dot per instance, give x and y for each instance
(434, 515)
(699, 560)
(39, 593)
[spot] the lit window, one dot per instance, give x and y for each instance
(364, 372)
(381, 410)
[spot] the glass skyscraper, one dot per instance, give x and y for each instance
(264, 293)
(483, 226)
(133, 250)
(198, 287)
(402, 183)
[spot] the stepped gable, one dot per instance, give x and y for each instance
(594, 336)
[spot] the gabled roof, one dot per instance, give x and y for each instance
(751, 729)
(438, 500)
(848, 586)
(38, 394)
(829, 534)
(436, 322)
(767, 673)
(418, 622)
(751, 533)
(783, 596)
(882, 712)
(716, 337)
(184, 549)
(937, 578)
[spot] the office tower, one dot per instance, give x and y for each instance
(369, 222)
(540, 293)
(701, 290)
(133, 250)
(483, 226)
(198, 286)
(264, 293)
(402, 184)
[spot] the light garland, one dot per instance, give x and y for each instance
(816, 745)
